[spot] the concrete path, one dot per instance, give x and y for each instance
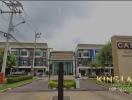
(91, 86)
(74, 95)
(38, 85)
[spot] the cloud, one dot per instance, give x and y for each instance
(64, 24)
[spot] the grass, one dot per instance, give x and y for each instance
(5, 86)
(67, 84)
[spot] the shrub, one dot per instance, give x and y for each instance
(14, 79)
(11, 76)
(67, 84)
(53, 84)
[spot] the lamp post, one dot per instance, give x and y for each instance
(37, 35)
(75, 61)
(49, 59)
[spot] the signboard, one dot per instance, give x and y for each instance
(122, 55)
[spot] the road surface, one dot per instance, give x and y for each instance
(35, 91)
(37, 85)
(74, 95)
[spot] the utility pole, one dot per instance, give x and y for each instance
(37, 35)
(14, 7)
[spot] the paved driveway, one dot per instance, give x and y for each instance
(38, 85)
(74, 95)
(91, 86)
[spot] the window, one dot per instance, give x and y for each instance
(44, 63)
(23, 62)
(31, 53)
(86, 54)
(24, 53)
(79, 54)
(38, 62)
(38, 53)
(15, 52)
(44, 53)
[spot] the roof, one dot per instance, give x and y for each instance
(62, 55)
(121, 37)
(89, 46)
(24, 45)
(62, 51)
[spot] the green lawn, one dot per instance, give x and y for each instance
(5, 86)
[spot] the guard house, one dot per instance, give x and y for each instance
(24, 56)
(67, 57)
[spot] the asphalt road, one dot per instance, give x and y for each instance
(34, 91)
(74, 95)
(91, 86)
(36, 86)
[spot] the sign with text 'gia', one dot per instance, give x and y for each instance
(122, 55)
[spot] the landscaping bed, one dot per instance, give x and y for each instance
(122, 87)
(68, 84)
(13, 79)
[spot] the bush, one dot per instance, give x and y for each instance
(53, 84)
(67, 84)
(11, 76)
(14, 79)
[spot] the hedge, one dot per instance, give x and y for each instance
(18, 79)
(67, 84)
(12, 76)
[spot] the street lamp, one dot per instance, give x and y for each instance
(49, 59)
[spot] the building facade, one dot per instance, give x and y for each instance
(24, 56)
(67, 57)
(85, 56)
(45, 61)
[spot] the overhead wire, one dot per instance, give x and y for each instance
(29, 23)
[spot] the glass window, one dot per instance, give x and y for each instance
(23, 62)
(31, 53)
(44, 53)
(38, 53)
(24, 53)
(79, 54)
(44, 63)
(86, 54)
(38, 62)
(16, 53)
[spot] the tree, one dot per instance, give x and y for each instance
(104, 56)
(11, 59)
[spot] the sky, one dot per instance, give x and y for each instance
(64, 24)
